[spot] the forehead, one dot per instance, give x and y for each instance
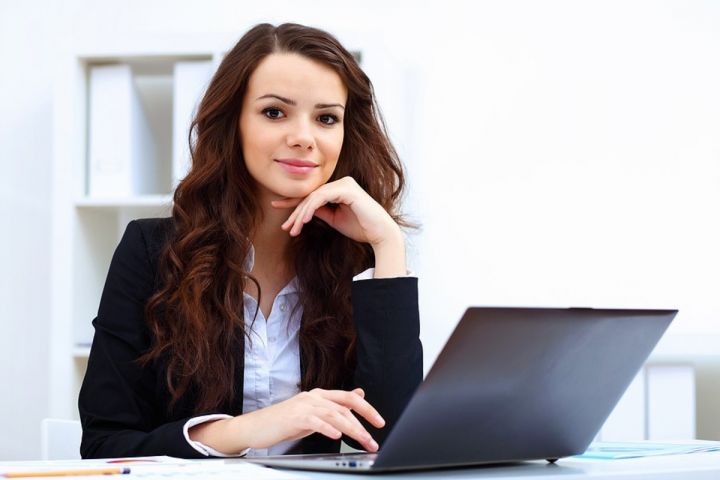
(298, 78)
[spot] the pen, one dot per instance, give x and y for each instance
(67, 473)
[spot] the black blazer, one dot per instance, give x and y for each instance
(124, 408)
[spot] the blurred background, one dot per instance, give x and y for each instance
(559, 153)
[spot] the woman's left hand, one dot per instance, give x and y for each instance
(357, 215)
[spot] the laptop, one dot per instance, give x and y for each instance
(511, 384)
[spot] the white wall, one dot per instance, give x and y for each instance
(26, 39)
(560, 153)
(581, 143)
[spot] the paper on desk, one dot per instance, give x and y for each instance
(619, 450)
(210, 470)
(73, 464)
(156, 468)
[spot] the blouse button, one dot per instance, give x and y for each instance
(283, 307)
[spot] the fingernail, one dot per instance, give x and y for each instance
(374, 445)
(379, 419)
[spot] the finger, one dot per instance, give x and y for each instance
(341, 418)
(319, 425)
(300, 213)
(330, 192)
(328, 406)
(299, 220)
(312, 207)
(358, 432)
(314, 202)
(366, 439)
(315, 206)
(288, 222)
(356, 403)
(291, 219)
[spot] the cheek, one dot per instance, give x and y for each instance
(255, 141)
(333, 146)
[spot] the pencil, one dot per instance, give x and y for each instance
(67, 473)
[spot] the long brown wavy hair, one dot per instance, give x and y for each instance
(196, 313)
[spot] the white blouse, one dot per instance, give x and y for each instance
(272, 360)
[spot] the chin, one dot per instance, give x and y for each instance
(297, 189)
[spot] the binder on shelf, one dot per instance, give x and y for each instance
(671, 402)
(121, 150)
(658, 405)
(191, 79)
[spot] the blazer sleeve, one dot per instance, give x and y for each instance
(389, 353)
(121, 410)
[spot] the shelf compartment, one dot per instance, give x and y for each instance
(138, 201)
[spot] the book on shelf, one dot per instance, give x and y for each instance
(121, 147)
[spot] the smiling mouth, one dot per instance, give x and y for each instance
(296, 162)
(297, 166)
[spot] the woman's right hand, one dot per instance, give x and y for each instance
(324, 411)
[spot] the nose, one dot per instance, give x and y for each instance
(300, 135)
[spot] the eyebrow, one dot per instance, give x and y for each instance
(293, 102)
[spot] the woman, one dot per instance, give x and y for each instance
(252, 321)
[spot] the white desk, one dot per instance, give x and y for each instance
(697, 466)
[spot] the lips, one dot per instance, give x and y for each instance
(296, 166)
(296, 162)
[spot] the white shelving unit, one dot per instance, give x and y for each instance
(86, 227)
(658, 405)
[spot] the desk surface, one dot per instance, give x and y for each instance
(695, 466)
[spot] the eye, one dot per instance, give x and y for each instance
(328, 119)
(273, 113)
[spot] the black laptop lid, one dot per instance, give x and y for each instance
(517, 384)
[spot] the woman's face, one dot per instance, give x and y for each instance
(291, 125)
